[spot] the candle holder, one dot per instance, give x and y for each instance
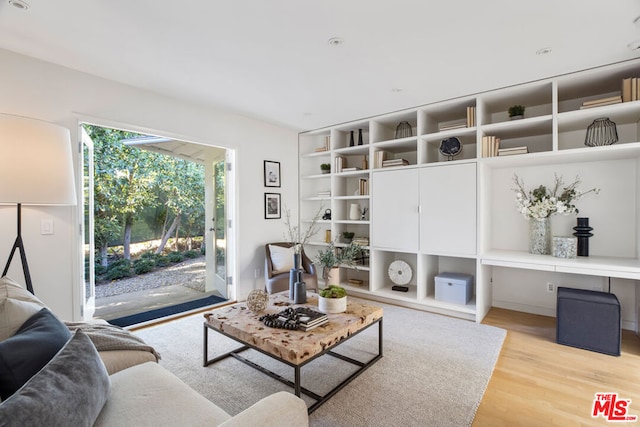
(601, 132)
(583, 232)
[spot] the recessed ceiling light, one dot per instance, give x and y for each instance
(634, 45)
(396, 89)
(335, 41)
(543, 51)
(19, 4)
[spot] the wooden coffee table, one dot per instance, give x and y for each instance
(294, 348)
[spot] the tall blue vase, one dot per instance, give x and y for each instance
(295, 275)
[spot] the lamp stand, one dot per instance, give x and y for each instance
(19, 245)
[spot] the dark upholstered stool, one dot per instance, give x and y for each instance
(588, 319)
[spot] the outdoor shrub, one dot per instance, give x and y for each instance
(149, 255)
(143, 265)
(100, 269)
(162, 261)
(118, 270)
(192, 254)
(175, 256)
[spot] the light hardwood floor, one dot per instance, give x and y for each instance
(537, 382)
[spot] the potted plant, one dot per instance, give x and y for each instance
(332, 299)
(332, 258)
(348, 236)
(325, 167)
(516, 112)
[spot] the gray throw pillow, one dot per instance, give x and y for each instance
(30, 349)
(69, 391)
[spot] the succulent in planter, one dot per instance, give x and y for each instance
(333, 257)
(333, 291)
(516, 111)
(325, 167)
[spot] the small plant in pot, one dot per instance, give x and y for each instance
(516, 112)
(332, 299)
(325, 167)
(347, 236)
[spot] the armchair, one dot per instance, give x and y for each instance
(278, 263)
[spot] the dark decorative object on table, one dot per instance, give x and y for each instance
(351, 140)
(403, 130)
(583, 232)
(450, 147)
(601, 132)
(300, 291)
(359, 136)
(287, 319)
(327, 214)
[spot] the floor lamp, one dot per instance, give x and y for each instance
(36, 168)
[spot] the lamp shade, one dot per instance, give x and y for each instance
(36, 165)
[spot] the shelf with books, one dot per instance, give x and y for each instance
(354, 163)
(402, 155)
(447, 116)
(315, 144)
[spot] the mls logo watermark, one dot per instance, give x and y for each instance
(612, 408)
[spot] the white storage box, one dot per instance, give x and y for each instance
(454, 287)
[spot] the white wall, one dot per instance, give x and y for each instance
(33, 88)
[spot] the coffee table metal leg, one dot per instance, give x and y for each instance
(205, 342)
(297, 381)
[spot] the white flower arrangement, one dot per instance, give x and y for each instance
(542, 203)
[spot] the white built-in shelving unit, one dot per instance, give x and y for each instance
(459, 215)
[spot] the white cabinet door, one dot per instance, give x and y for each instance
(394, 211)
(448, 209)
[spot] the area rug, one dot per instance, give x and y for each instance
(434, 371)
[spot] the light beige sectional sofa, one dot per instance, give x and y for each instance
(53, 375)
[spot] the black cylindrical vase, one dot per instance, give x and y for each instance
(352, 141)
(583, 232)
(359, 136)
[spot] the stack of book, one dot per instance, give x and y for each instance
(340, 162)
(379, 157)
(601, 101)
(351, 169)
(394, 162)
(471, 117)
(363, 187)
(455, 124)
(326, 193)
(630, 89)
(361, 241)
(511, 151)
(310, 319)
(490, 146)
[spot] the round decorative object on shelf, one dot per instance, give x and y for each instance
(450, 147)
(400, 272)
(257, 300)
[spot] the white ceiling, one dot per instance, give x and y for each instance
(270, 59)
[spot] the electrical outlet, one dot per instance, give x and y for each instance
(551, 287)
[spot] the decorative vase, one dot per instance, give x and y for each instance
(601, 132)
(295, 275)
(564, 247)
(359, 136)
(333, 276)
(539, 236)
(516, 117)
(351, 140)
(300, 292)
(583, 232)
(354, 211)
(332, 305)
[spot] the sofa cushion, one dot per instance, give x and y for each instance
(33, 346)
(149, 395)
(69, 391)
(16, 306)
(281, 259)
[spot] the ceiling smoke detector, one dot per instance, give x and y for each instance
(335, 41)
(19, 4)
(543, 51)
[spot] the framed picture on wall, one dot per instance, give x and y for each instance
(271, 174)
(272, 205)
